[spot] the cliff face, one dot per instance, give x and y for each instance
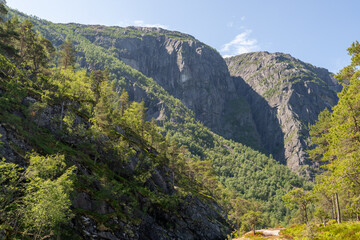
(296, 92)
(266, 103)
(190, 71)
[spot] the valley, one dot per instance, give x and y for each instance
(156, 136)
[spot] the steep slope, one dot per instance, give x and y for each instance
(125, 187)
(252, 174)
(187, 69)
(296, 92)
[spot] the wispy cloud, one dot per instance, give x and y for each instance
(230, 24)
(141, 23)
(242, 43)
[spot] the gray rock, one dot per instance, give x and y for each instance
(190, 71)
(290, 94)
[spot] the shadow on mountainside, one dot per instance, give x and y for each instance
(266, 122)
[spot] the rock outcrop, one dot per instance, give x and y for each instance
(266, 103)
(295, 92)
(119, 213)
(190, 71)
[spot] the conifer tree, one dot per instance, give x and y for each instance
(67, 54)
(7, 33)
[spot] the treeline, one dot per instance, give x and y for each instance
(335, 196)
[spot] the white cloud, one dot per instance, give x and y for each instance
(240, 44)
(140, 23)
(243, 18)
(230, 24)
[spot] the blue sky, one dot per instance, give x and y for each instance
(315, 31)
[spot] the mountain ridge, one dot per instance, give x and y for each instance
(296, 93)
(154, 68)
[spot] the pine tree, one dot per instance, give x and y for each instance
(8, 35)
(67, 54)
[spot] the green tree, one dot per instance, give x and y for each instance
(67, 54)
(252, 219)
(97, 77)
(337, 139)
(47, 200)
(34, 50)
(300, 199)
(8, 34)
(318, 133)
(35, 201)
(124, 101)
(134, 117)
(11, 188)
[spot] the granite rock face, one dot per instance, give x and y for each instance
(190, 71)
(295, 93)
(263, 100)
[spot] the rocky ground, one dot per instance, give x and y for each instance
(266, 234)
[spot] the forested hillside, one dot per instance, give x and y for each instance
(81, 161)
(124, 133)
(334, 201)
(250, 173)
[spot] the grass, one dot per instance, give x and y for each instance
(343, 231)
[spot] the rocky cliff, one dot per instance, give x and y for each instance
(187, 69)
(157, 65)
(294, 92)
(266, 103)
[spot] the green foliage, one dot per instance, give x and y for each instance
(343, 231)
(67, 54)
(112, 132)
(251, 219)
(336, 139)
(10, 185)
(300, 199)
(107, 132)
(45, 167)
(240, 168)
(36, 200)
(47, 200)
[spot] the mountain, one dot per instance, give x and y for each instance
(190, 71)
(185, 85)
(285, 95)
(187, 88)
(266, 103)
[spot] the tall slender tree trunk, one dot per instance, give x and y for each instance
(333, 208)
(62, 114)
(338, 214)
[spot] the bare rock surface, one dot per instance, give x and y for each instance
(295, 93)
